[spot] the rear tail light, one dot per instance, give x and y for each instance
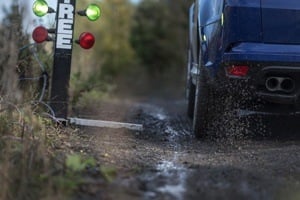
(238, 70)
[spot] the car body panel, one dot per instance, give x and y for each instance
(281, 21)
(242, 22)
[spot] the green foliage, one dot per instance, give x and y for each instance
(130, 39)
(159, 34)
(109, 173)
(150, 35)
(88, 91)
(90, 99)
(114, 32)
(112, 52)
(76, 163)
(23, 155)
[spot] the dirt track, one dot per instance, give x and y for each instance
(165, 161)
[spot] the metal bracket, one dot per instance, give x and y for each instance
(105, 124)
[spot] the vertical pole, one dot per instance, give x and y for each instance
(65, 19)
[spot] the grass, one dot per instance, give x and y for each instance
(24, 155)
(35, 162)
(36, 158)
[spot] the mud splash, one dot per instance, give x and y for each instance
(168, 179)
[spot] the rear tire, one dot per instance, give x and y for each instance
(191, 99)
(201, 119)
(190, 87)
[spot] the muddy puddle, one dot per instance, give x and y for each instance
(165, 161)
(219, 169)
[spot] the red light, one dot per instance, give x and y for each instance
(40, 34)
(238, 70)
(86, 40)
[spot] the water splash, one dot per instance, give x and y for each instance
(176, 176)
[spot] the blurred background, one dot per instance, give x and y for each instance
(140, 48)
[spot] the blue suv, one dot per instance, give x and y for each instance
(242, 55)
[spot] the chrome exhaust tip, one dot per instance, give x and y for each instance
(287, 85)
(283, 84)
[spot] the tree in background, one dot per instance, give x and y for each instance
(98, 69)
(134, 43)
(159, 34)
(112, 53)
(115, 49)
(12, 39)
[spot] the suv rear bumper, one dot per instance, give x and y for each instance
(260, 52)
(266, 61)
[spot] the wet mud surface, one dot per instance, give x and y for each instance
(165, 161)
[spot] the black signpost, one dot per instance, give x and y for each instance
(62, 58)
(63, 45)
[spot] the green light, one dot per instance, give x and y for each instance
(40, 8)
(93, 12)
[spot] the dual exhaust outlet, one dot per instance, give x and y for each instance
(280, 84)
